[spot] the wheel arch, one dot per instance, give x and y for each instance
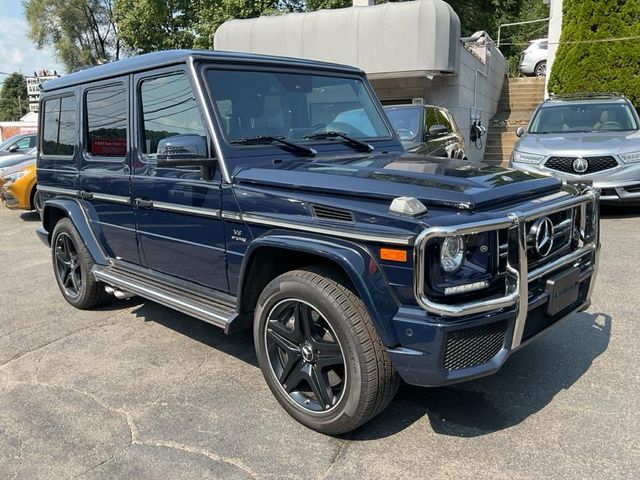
(353, 262)
(56, 209)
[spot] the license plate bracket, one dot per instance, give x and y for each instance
(563, 289)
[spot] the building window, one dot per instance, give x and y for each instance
(106, 121)
(59, 126)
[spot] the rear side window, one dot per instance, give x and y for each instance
(169, 109)
(106, 121)
(59, 126)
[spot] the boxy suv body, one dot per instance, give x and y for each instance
(222, 186)
(585, 138)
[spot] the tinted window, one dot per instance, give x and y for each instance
(106, 121)
(292, 105)
(59, 126)
(169, 109)
(23, 143)
(405, 121)
(430, 118)
(443, 119)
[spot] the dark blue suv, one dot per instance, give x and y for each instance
(270, 193)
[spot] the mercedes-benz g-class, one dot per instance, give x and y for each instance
(270, 193)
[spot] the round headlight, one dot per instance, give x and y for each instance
(452, 253)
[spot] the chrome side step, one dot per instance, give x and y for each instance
(205, 309)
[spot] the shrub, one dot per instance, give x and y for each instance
(597, 66)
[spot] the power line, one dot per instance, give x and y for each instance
(572, 42)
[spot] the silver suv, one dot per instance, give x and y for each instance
(586, 138)
(533, 60)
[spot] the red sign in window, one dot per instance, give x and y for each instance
(109, 147)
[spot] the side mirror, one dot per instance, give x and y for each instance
(13, 148)
(183, 151)
(520, 131)
(437, 131)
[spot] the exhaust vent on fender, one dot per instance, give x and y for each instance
(331, 213)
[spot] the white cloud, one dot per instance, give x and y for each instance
(18, 53)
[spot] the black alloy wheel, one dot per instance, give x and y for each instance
(319, 351)
(72, 265)
(67, 266)
(305, 355)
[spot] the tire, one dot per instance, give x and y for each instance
(358, 388)
(541, 69)
(36, 202)
(72, 264)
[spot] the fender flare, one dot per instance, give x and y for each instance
(57, 208)
(353, 259)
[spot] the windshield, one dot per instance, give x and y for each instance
(586, 117)
(405, 121)
(293, 106)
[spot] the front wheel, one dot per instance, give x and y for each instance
(319, 352)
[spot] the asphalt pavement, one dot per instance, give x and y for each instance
(136, 390)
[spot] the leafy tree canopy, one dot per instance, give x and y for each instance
(82, 32)
(14, 102)
(587, 59)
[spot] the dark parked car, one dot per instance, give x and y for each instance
(427, 130)
(223, 186)
(18, 144)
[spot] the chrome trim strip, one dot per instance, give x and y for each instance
(209, 119)
(111, 198)
(406, 240)
(231, 215)
(160, 297)
(173, 207)
(61, 191)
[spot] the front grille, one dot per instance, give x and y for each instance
(563, 227)
(473, 346)
(595, 164)
(633, 188)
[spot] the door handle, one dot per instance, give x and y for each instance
(144, 203)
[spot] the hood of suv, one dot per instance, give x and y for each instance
(579, 143)
(434, 181)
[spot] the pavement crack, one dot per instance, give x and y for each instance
(212, 456)
(109, 321)
(336, 457)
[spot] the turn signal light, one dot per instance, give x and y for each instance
(393, 255)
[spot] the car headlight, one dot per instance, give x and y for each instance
(632, 157)
(15, 176)
(452, 253)
(523, 157)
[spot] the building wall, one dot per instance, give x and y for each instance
(455, 92)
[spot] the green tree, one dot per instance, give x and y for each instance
(14, 102)
(82, 32)
(593, 54)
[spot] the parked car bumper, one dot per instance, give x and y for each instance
(16, 195)
(620, 185)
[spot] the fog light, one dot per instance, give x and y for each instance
(452, 253)
(467, 287)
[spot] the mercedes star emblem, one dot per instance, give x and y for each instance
(542, 233)
(580, 165)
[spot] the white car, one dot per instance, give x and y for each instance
(533, 60)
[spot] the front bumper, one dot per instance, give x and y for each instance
(443, 344)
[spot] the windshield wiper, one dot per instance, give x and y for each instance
(267, 139)
(362, 146)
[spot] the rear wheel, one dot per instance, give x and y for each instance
(541, 69)
(72, 264)
(319, 352)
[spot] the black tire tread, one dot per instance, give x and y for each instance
(382, 379)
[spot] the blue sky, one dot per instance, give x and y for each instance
(18, 52)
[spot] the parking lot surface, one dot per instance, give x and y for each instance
(135, 390)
